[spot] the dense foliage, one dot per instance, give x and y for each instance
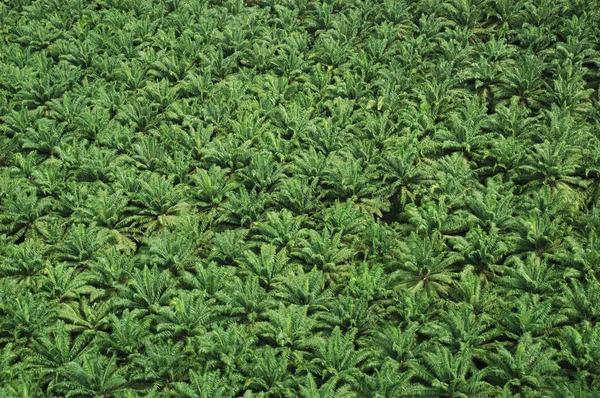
(299, 198)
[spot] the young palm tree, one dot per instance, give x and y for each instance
(448, 375)
(532, 275)
(50, 352)
(269, 266)
(527, 369)
(484, 251)
(268, 373)
(579, 352)
(523, 81)
(207, 385)
(187, 316)
(23, 263)
(554, 164)
(248, 300)
(160, 364)
(530, 316)
(149, 289)
(82, 243)
(64, 282)
(92, 375)
(462, 330)
(86, 317)
(424, 266)
(281, 229)
(305, 289)
(157, 204)
(392, 343)
(172, 250)
(210, 188)
(126, 334)
(309, 389)
(24, 316)
(579, 300)
(23, 214)
(289, 327)
(337, 358)
(347, 313)
(297, 196)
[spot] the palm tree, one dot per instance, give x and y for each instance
(23, 263)
(436, 217)
(462, 330)
(305, 289)
(160, 364)
(324, 250)
(482, 250)
(110, 269)
(126, 334)
(402, 169)
(86, 317)
(289, 327)
(555, 164)
(569, 92)
(189, 315)
(465, 134)
(344, 218)
(528, 368)
(64, 282)
(262, 174)
(392, 343)
(149, 289)
(268, 373)
(172, 250)
(24, 316)
(310, 389)
(243, 208)
(207, 385)
(157, 204)
(229, 349)
(148, 154)
(579, 301)
(108, 210)
(471, 289)
(92, 376)
(23, 214)
(529, 316)
(210, 187)
(523, 81)
(50, 352)
(336, 358)
(297, 196)
(281, 229)
(347, 313)
(445, 374)
(387, 381)
(82, 243)
(494, 207)
(424, 265)
(310, 163)
(533, 275)
(539, 233)
(269, 266)
(210, 278)
(580, 256)
(248, 300)
(512, 120)
(579, 351)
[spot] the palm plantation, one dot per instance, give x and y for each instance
(312, 198)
